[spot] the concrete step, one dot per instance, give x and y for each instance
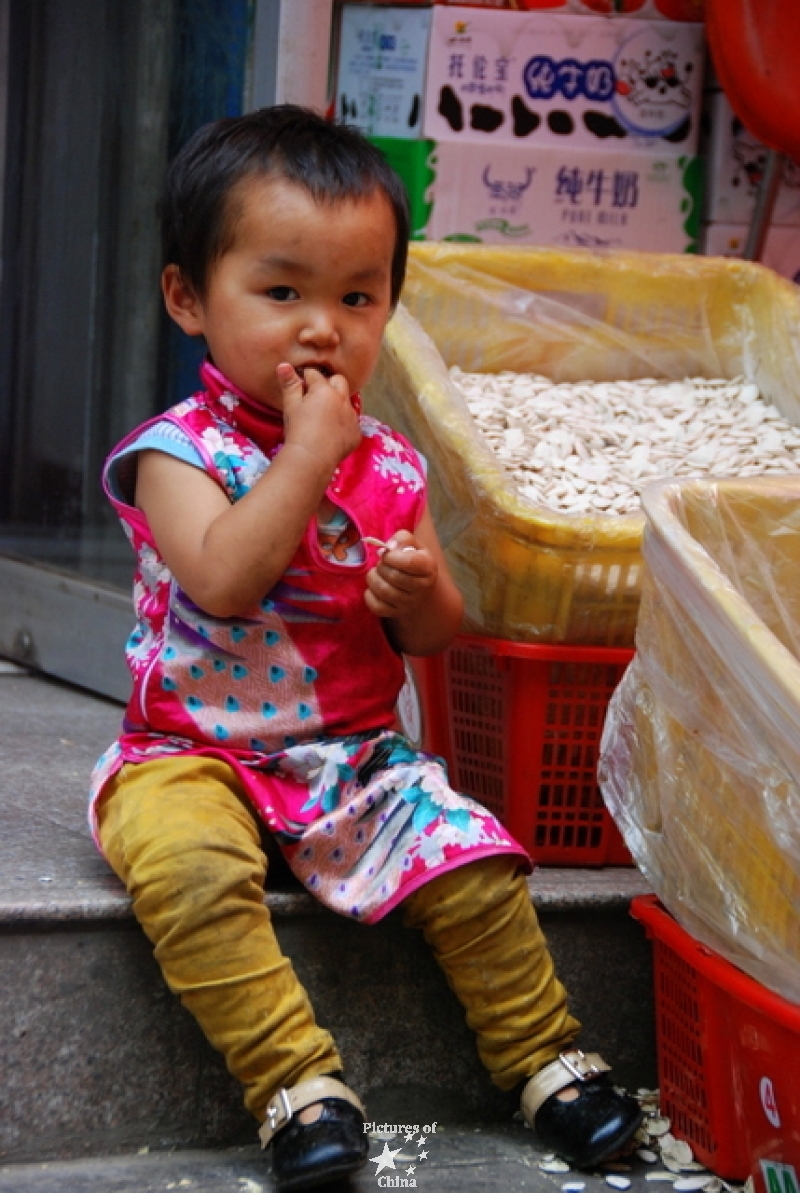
(458, 1160)
(97, 1056)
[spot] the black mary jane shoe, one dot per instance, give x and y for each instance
(596, 1125)
(310, 1155)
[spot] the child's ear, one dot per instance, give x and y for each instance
(181, 302)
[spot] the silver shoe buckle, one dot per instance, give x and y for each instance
(278, 1116)
(580, 1066)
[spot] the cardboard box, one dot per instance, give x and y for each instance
(736, 166)
(781, 250)
(412, 160)
(580, 199)
(380, 71)
(546, 79)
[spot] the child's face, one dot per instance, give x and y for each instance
(303, 283)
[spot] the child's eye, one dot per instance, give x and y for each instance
(356, 299)
(282, 293)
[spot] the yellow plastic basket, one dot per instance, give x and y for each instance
(700, 758)
(527, 573)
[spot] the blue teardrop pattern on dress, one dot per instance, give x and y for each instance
(260, 689)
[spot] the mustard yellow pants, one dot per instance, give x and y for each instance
(182, 836)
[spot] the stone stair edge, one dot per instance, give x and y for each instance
(51, 871)
(554, 889)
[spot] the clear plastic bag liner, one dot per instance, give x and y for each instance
(529, 573)
(700, 754)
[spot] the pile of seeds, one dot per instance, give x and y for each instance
(672, 1159)
(589, 447)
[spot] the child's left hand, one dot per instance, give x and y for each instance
(405, 575)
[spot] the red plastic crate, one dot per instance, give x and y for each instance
(728, 1058)
(519, 726)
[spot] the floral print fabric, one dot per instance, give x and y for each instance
(386, 821)
(299, 695)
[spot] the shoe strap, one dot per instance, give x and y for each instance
(570, 1067)
(285, 1104)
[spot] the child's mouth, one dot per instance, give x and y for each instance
(326, 370)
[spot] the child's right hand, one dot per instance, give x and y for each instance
(318, 415)
(226, 556)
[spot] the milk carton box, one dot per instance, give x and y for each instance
(736, 163)
(380, 69)
(567, 81)
(599, 199)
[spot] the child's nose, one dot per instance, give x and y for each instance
(319, 328)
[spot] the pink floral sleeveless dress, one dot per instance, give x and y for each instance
(299, 695)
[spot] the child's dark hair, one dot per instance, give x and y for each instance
(331, 161)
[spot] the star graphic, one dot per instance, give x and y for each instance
(422, 1155)
(409, 1136)
(422, 1139)
(385, 1159)
(411, 1168)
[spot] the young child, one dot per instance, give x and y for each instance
(286, 561)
